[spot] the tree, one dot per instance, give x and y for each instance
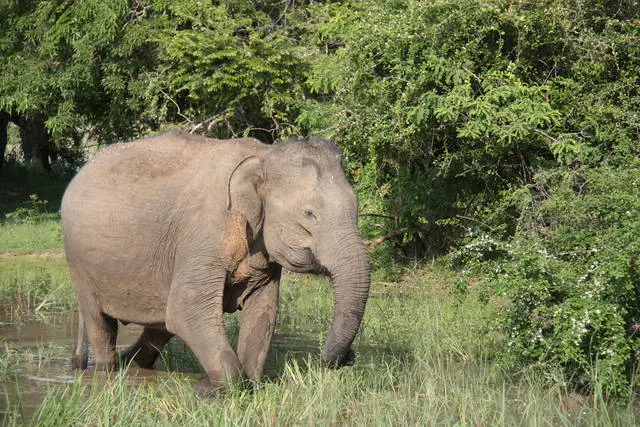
(111, 70)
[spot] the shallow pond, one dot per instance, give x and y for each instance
(35, 355)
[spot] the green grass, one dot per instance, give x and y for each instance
(427, 354)
(33, 273)
(33, 270)
(25, 238)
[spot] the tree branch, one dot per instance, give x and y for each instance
(474, 220)
(177, 106)
(375, 216)
(210, 123)
(384, 238)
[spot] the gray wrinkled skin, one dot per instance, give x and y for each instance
(170, 232)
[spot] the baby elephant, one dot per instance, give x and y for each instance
(170, 232)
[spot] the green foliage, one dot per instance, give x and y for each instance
(228, 64)
(35, 210)
(451, 105)
(113, 70)
(572, 278)
(510, 131)
(52, 56)
(30, 190)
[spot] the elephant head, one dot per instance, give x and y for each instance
(307, 212)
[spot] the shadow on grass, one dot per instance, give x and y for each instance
(19, 182)
(285, 349)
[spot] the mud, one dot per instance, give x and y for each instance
(42, 348)
(42, 255)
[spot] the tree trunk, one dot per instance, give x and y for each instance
(4, 124)
(36, 141)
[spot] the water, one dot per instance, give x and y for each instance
(42, 348)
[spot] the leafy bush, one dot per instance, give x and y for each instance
(507, 130)
(574, 294)
(113, 70)
(229, 66)
(32, 211)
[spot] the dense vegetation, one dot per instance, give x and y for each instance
(502, 133)
(424, 357)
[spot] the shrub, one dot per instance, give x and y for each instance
(573, 294)
(32, 211)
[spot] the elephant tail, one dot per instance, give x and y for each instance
(80, 356)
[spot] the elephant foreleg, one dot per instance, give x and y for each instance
(194, 313)
(256, 329)
(146, 350)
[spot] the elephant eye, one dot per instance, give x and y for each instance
(309, 213)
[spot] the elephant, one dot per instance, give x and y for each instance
(171, 231)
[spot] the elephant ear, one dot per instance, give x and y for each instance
(244, 197)
(237, 238)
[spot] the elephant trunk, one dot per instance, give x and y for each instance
(350, 274)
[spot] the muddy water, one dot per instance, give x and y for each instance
(43, 350)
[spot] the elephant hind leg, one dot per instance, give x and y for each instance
(103, 336)
(94, 327)
(102, 331)
(80, 356)
(146, 349)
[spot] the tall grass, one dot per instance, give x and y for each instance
(32, 284)
(308, 395)
(426, 356)
(33, 271)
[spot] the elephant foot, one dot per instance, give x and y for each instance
(147, 348)
(144, 359)
(250, 385)
(205, 390)
(80, 362)
(110, 366)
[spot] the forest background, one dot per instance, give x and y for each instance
(502, 136)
